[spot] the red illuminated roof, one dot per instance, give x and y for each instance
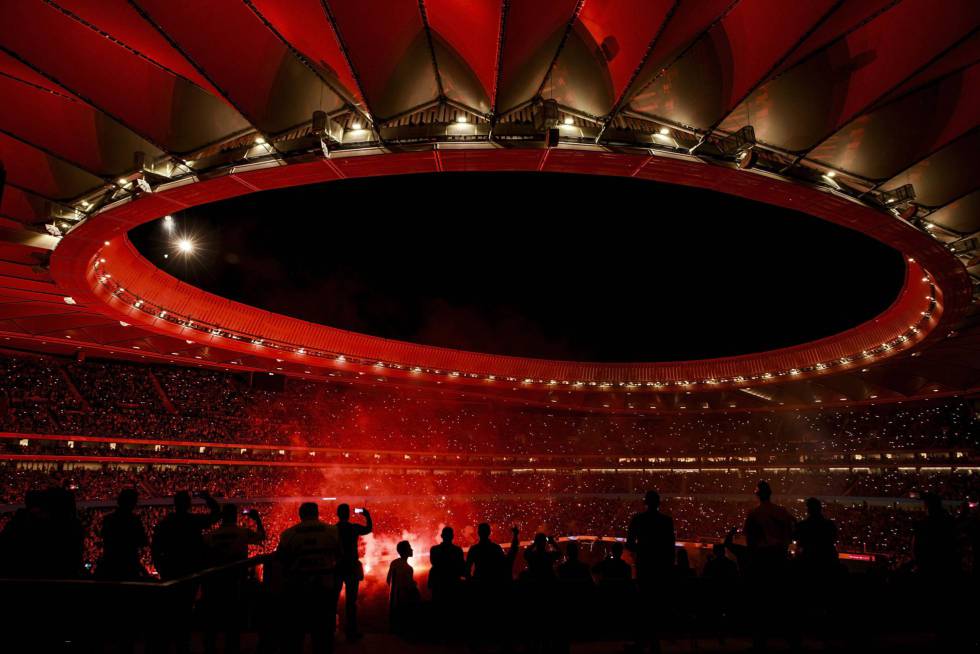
(864, 113)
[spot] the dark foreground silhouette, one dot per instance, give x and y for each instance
(782, 585)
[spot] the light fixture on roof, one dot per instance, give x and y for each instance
(897, 196)
(69, 300)
(569, 120)
(185, 245)
(664, 131)
(461, 118)
(356, 125)
(259, 140)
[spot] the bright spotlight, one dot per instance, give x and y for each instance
(185, 246)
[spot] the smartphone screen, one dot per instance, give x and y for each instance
(358, 511)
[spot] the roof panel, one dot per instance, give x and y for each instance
(711, 78)
(305, 25)
(121, 20)
(33, 169)
(246, 60)
(22, 206)
(850, 15)
(687, 21)
(946, 175)
(464, 36)
(391, 55)
(160, 106)
(962, 216)
(607, 45)
(532, 34)
(807, 103)
(66, 126)
(884, 142)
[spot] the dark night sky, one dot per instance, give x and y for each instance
(555, 266)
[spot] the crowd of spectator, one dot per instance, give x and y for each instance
(92, 481)
(94, 397)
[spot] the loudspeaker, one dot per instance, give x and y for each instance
(552, 137)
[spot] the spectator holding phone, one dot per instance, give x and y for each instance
(350, 572)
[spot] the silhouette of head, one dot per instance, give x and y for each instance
(813, 507)
(483, 531)
(229, 514)
(652, 500)
(933, 502)
(404, 549)
(571, 550)
(182, 501)
(764, 491)
(617, 550)
(309, 511)
(683, 560)
(127, 499)
(718, 549)
(343, 512)
(540, 540)
(447, 534)
(34, 500)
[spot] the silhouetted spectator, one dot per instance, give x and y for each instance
(651, 538)
(448, 567)
(226, 544)
(490, 572)
(309, 552)
(719, 567)
(178, 550)
(64, 535)
(613, 568)
(540, 557)
(350, 572)
(972, 529)
(934, 541)
(229, 541)
(720, 575)
(816, 539)
(573, 569)
(404, 596)
(683, 567)
(740, 552)
(486, 561)
(768, 533)
(21, 541)
(178, 540)
(123, 540)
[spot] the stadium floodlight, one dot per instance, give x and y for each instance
(185, 246)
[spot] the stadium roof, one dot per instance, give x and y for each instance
(865, 113)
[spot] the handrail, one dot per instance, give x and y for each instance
(250, 562)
